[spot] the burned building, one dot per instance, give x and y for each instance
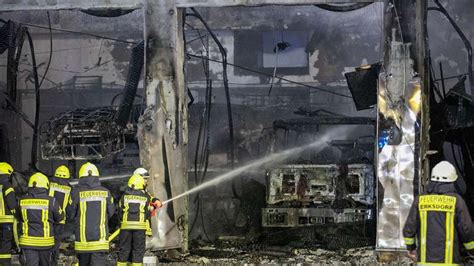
(262, 122)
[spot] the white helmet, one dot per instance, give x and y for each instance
(141, 171)
(444, 172)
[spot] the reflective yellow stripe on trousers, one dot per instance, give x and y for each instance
(423, 219)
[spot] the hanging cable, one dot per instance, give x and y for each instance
(50, 50)
(226, 87)
(16, 37)
(201, 156)
(206, 152)
(226, 82)
(34, 144)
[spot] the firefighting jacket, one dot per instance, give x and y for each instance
(60, 189)
(437, 224)
(91, 208)
(39, 213)
(8, 202)
(133, 210)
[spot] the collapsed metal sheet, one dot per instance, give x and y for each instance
(399, 102)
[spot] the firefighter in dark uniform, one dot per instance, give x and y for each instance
(155, 203)
(60, 189)
(39, 214)
(134, 214)
(91, 208)
(439, 221)
(8, 206)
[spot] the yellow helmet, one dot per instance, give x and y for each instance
(62, 172)
(38, 180)
(88, 169)
(136, 182)
(5, 168)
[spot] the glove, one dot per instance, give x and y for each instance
(157, 204)
(154, 206)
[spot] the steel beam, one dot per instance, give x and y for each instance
(21, 5)
(224, 3)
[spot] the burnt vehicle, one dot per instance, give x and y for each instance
(333, 186)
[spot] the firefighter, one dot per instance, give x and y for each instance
(154, 202)
(439, 221)
(91, 208)
(134, 215)
(39, 215)
(60, 189)
(8, 205)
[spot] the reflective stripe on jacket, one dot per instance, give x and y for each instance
(91, 208)
(60, 189)
(134, 211)
(437, 225)
(8, 202)
(39, 213)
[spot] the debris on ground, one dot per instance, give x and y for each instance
(277, 255)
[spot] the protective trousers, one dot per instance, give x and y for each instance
(35, 257)
(6, 240)
(132, 247)
(92, 259)
(58, 237)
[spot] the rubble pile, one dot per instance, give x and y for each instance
(212, 254)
